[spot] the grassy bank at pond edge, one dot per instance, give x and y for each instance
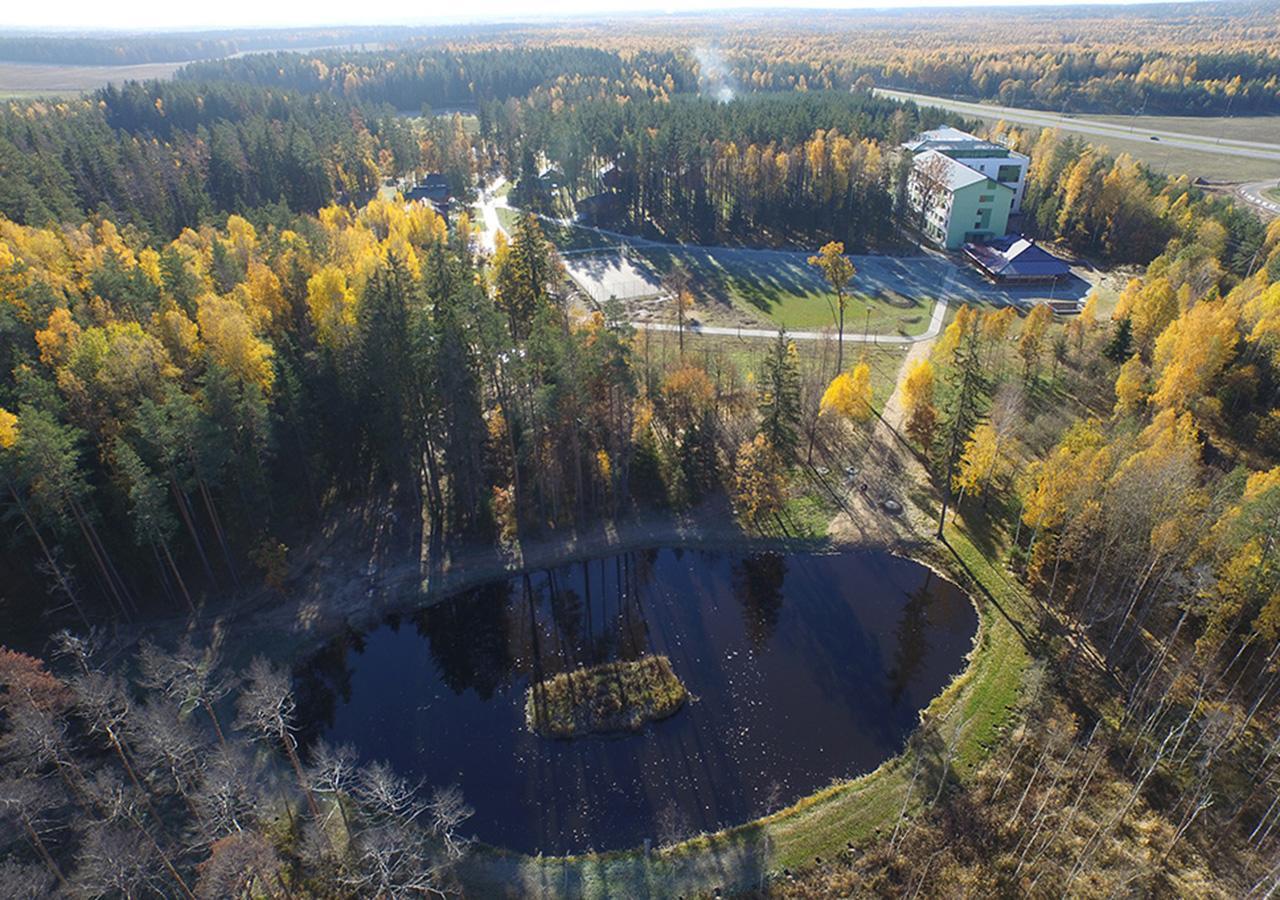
(961, 727)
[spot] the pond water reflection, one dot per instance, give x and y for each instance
(805, 668)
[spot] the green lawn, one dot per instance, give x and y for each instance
(759, 289)
(783, 289)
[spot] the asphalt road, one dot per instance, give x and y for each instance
(1253, 193)
(1222, 146)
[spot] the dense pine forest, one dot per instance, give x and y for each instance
(230, 352)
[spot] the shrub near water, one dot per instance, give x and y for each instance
(613, 696)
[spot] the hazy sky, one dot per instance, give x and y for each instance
(171, 14)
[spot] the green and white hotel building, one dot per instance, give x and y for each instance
(969, 185)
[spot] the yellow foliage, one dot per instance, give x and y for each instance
(1128, 297)
(261, 296)
(334, 217)
(1131, 386)
(1192, 351)
(849, 394)
(242, 237)
(120, 359)
(1262, 313)
(917, 387)
(59, 338)
(332, 305)
(229, 338)
(425, 226)
(1033, 331)
(759, 486)
(8, 429)
(687, 392)
(1154, 305)
(1068, 477)
(996, 324)
(981, 462)
(643, 419)
(835, 266)
(149, 262)
(178, 333)
(961, 326)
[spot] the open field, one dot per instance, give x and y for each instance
(1217, 149)
(1243, 130)
(27, 80)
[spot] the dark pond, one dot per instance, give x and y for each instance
(806, 668)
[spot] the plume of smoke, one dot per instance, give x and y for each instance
(714, 77)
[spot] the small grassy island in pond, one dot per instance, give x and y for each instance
(613, 696)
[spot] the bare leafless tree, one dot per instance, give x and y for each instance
(190, 676)
(81, 649)
(37, 739)
(230, 797)
(169, 746)
(27, 801)
(241, 865)
(333, 771)
(448, 811)
(393, 859)
(384, 795)
(25, 881)
(267, 708)
(112, 862)
(103, 702)
(119, 803)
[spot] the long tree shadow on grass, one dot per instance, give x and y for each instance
(1033, 643)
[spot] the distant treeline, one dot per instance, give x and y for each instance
(409, 78)
(135, 49)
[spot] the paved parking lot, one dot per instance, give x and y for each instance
(637, 271)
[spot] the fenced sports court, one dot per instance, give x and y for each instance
(612, 273)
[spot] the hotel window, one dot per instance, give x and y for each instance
(986, 198)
